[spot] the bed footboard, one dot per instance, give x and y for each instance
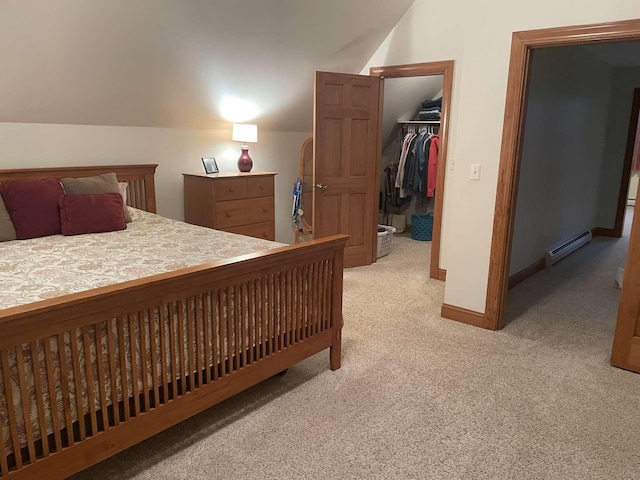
(85, 376)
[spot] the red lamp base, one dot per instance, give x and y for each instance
(245, 164)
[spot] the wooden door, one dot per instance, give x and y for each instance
(626, 344)
(345, 133)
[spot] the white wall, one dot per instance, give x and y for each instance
(175, 151)
(477, 35)
(633, 187)
(564, 139)
(625, 81)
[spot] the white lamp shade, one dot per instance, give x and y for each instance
(244, 132)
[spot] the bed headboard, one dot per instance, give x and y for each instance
(141, 193)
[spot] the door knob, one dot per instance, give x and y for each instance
(321, 186)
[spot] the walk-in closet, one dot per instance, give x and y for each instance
(412, 113)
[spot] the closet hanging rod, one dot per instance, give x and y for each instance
(419, 122)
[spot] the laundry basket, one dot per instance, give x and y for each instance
(385, 235)
(422, 227)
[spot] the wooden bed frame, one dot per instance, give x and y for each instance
(271, 309)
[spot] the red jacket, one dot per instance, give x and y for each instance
(432, 169)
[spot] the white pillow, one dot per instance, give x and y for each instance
(123, 191)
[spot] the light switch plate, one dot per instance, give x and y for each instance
(474, 174)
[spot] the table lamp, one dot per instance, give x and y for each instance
(245, 133)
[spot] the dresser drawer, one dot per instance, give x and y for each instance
(259, 230)
(243, 212)
(230, 189)
(260, 187)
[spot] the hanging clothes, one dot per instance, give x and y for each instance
(432, 171)
(411, 165)
(409, 137)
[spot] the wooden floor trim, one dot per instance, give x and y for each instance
(605, 232)
(442, 274)
(463, 315)
(527, 272)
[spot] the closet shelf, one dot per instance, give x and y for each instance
(419, 122)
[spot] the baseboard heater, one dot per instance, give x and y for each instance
(566, 247)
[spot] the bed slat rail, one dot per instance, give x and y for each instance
(98, 365)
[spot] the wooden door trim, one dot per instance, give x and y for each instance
(444, 68)
(521, 46)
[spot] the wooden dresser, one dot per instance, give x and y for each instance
(234, 202)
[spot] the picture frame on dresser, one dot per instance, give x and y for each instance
(210, 165)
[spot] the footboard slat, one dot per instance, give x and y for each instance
(262, 286)
(77, 393)
(75, 371)
(199, 334)
(229, 330)
(90, 391)
(135, 372)
(102, 378)
(26, 407)
(113, 373)
(164, 363)
(39, 394)
(283, 309)
(64, 382)
(122, 355)
(51, 379)
(4, 464)
(308, 329)
(152, 317)
(144, 363)
(244, 323)
(11, 412)
(272, 328)
(235, 324)
(190, 369)
(180, 346)
(215, 334)
(222, 333)
(172, 348)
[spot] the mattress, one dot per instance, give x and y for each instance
(43, 268)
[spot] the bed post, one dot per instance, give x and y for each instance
(335, 352)
(150, 191)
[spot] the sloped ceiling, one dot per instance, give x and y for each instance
(169, 63)
(402, 99)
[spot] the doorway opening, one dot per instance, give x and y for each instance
(443, 70)
(521, 107)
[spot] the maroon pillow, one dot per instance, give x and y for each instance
(91, 213)
(33, 206)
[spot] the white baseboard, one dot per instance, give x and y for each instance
(631, 202)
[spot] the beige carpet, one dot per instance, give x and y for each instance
(426, 398)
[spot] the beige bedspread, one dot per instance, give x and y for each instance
(41, 268)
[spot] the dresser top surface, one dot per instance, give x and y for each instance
(230, 174)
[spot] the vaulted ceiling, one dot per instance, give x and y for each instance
(169, 63)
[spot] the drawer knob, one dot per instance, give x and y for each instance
(265, 235)
(228, 215)
(231, 189)
(261, 187)
(265, 209)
